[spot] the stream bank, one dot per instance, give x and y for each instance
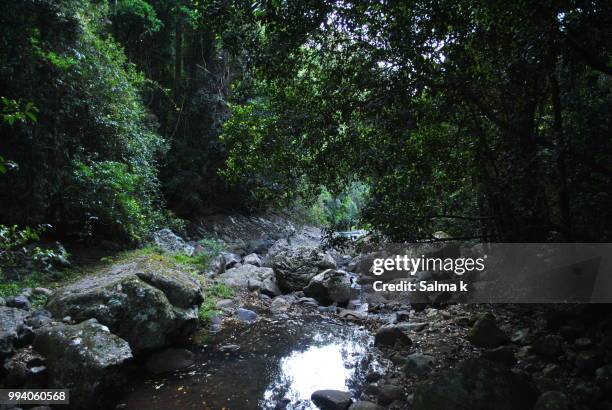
(297, 333)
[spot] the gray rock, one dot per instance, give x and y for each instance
(253, 259)
(353, 263)
(295, 267)
(225, 304)
(42, 291)
(230, 260)
(371, 390)
(277, 247)
(476, 384)
(87, 359)
(259, 246)
(331, 399)
(401, 316)
(330, 286)
(250, 277)
(373, 376)
(391, 335)
(169, 360)
(388, 393)
(354, 304)
(269, 287)
(552, 400)
(168, 240)
(307, 301)
(246, 315)
(2, 301)
(328, 309)
(485, 332)
(12, 328)
(147, 304)
(365, 405)
(418, 364)
(413, 326)
(352, 314)
(217, 265)
(229, 348)
(279, 305)
(38, 319)
(19, 302)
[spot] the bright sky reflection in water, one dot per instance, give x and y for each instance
(327, 364)
(280, 363)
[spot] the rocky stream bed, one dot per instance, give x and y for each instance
(300, 332)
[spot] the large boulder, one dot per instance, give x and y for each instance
(476, 384)
(331, 399)
(168, 240)
(295, 267)
(330, 286)
(253, 259)
(485, 332)
(230, 260)
(86, 359)
(12, 328)
(250, 277)
(148, 304)
(392, 335)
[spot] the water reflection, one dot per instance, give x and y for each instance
(278, 363)
(330, 364)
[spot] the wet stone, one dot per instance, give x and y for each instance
(19, 302)
(246, 315)
(391, 335)
(225, 304)
(365, 405)
(402, 316)
(229, 348)
(390, 393)
(331, 399)
(419, 364)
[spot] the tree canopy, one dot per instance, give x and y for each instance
(485, 120)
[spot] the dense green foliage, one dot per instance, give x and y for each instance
(88, 165)
(487, 120)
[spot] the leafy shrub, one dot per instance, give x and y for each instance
(115, 199)
(211, 295)
(88, 165)
(20, 257)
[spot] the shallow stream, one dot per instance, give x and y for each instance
(279, 364)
